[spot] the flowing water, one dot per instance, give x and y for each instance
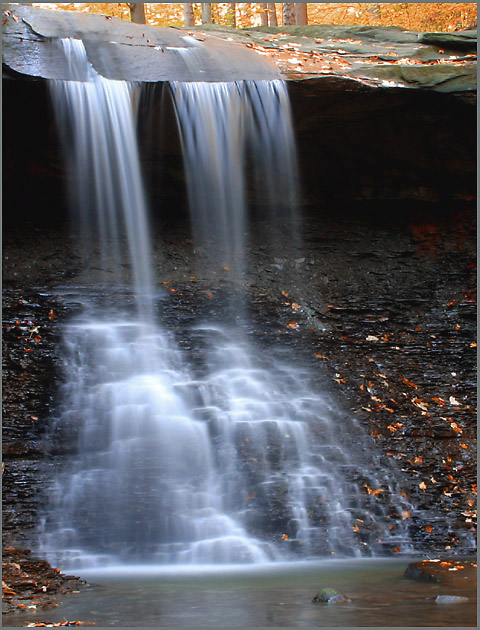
(224, 454)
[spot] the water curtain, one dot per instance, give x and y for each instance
(239, 460)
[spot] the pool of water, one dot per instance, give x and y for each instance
(275, 595)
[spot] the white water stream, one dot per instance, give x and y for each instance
(240, 461)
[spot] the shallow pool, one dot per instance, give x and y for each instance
(276, 595)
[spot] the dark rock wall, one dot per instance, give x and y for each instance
(385, 279)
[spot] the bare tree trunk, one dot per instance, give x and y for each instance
(301, 17)
(272, 14)
(206, 12)
(288, 13)
(137, 12)
(263, 6)
(232, 20)
(188, 14)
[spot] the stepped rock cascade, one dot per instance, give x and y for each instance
(234, 457)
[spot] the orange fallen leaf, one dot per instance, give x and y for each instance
(356, 528)
(429, 529)
(295, 306)
(227, 268)
(209, 295)
(293, 325)
(463, 446)
(285, 294)
(51, 315)
(284, 536)
(406, 514)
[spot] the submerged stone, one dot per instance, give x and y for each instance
(420, 572)
(330, 596)
(450, 599)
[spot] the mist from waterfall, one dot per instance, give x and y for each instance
(236, 457)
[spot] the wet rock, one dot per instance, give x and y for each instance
(330, 596)
(452, 573)
(450, 599)
(419, 571)
(29, 583)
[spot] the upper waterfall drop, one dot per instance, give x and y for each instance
(98, 122)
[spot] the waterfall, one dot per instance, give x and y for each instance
(238, 457)
(221, 126)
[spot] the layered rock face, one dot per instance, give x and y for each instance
(382, 288)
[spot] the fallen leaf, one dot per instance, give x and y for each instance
(51, 315)
(209, 295)
(429, 529)
(295, 306)
(406, 514)
(285, 294)
(293, 325)
(422, 485)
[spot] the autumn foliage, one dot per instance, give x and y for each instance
(420, 16)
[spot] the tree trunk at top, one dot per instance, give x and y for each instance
(206, 13)
(137, 12)
(272, 14)
(188, 14)
(288, 13)
(264, 16)
(232, 20)
(301, 17)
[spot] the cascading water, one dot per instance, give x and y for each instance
(237, 459)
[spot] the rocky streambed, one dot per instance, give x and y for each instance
(382, 308)
(377, 295)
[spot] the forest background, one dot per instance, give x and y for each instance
(419, 16)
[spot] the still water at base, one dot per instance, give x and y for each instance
(277, 595)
